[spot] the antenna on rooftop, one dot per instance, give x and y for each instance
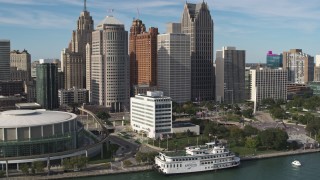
(110, 11)
(85, 5)
(138, 13)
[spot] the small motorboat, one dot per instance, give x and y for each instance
(296, 163)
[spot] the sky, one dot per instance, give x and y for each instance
(44, 27)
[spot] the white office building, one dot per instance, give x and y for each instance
(268, 83)
(151, 114)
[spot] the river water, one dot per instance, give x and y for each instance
(279, 168)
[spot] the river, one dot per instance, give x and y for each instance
(279, 168)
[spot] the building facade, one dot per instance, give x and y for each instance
(11, 88)
(230, 75)
(300, 66)
(47, 85)
(4, 60)
(197, 21)
(110, 77)
(274, 60)
(268, 83)
(74, 57)
(174, 66)
(72, 96)
(143, 54)
(151, 114)
(20, 64)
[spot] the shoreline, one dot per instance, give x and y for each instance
(137, 169)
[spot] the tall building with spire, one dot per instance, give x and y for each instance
(74, 57)
(143, 54)
(197, 21)
(110, 65)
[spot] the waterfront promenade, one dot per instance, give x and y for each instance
(119, 170)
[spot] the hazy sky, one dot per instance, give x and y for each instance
(44, 27)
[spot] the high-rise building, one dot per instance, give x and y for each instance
(110, 66)
(274, 60)
(197, 21)
(11, 88)
(143, 54)
(230, 75)
(20, 63)
(174, 66)
(317, 69)
(300, 66)
(47, 85)
(268, 83)
(72, 96)
(151, 114)
(74, 57)
(4, 60)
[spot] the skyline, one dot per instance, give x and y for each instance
(44, 28)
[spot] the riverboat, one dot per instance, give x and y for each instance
(208, 157)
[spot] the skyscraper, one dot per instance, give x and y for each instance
(268, 83)
(274, 60)
(230, 75)
(74, 57)
(110, 65)
(197, 21)
(4, 60)
(300, 66)
(47, 85)
(143, 54)
(174, 66)
(20, 63)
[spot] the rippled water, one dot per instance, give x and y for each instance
(266, 169)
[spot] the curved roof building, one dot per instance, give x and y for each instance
(35, 132)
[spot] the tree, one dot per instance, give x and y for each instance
(250, 130)
(25, 169)
(252, 142)
(273, 138)
(38, 166)
(248, 113)
(103, 115)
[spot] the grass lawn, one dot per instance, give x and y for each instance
(179, 143)
(244, 151)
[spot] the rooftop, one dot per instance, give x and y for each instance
(27, 118)
(110, 20)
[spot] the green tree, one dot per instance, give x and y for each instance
(252, 142)
(250, 130)
(104, 116)
(273, 138)
(248, 113)
(38, 166)
(24, 168)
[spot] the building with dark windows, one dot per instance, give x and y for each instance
(230, 75)
(274, 60)
(20, 63)
(4, 60)
(197, 21)
(47, 85)
(11, 88)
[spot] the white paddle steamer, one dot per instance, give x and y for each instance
(211, 156)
